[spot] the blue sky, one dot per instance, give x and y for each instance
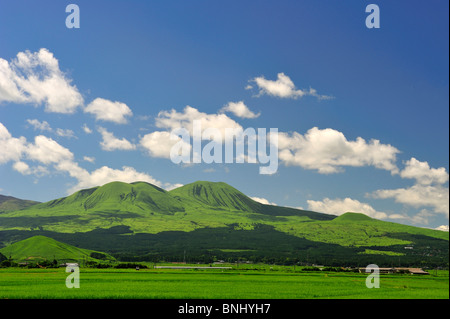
(131, 63)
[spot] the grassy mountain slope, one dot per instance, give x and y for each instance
(39, 248)
(219, 195)
(357, 230)
(9, 203)
(141, 217)
(146, 208)
(114, 197)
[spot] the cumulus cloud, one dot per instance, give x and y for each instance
(112, 143)
(328, 151)
(105, 175)
(106, 110)
(41, 126)
(11, 148)
(442, 227)
(89, 159)
(423, 173)
(240, 110)
(434, 196)
(340, 206)
(36, 78)
(173, 120)
(213, 127)
(45, 150)
(159, 143)
(86, 129)
(48, 153)
(263, 201)
(65, 133)
(282, 87)
(24, 169)
(169, 186)
(428, 192)
(44, 126)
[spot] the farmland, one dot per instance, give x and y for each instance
(262, 282)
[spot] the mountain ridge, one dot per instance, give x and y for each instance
(202, 217)
(10, 203)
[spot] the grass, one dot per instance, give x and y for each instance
(216, 284)
(381, 252)
(43, 248)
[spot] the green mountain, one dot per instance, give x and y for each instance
(116, 197)
(221, 196)
(139, 221)
(9, 203)
(38, 248)
(218, 195)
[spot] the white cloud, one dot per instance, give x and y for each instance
(422, 217)
(423, 174)
(9, 92)
(11, 148)
(36, 78)
(240, 110)
(86, 129)
(112, 143)
(106, 175)
(436, 197)
(442, 227)
(44, 126)
(41, 126)
(106, 110)
(328, 150)
(340, 206)
(428, 191)
(65, 133)
(172, 120)
(45, 150)
(282, 87)
(169, 187)
(89, 159)
(24, 169)
(159, 144)
(263, 201)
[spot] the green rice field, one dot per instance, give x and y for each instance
(16, 283)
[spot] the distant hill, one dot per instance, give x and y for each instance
(9, 203)
(140, 221)
(38, 248)
(353, 217)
